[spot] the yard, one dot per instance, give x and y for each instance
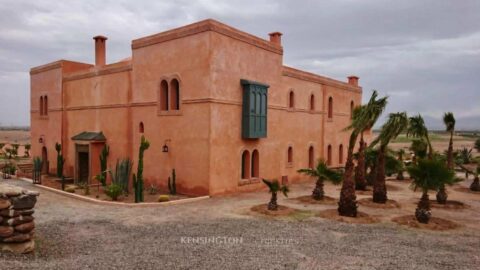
(222, 233)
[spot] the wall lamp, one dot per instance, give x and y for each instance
(165, 146)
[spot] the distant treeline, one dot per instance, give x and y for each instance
(15, 128)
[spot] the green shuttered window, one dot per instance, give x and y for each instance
(254, 111)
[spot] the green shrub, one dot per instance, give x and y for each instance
(163, 198)
(152, 189)
(114, 191)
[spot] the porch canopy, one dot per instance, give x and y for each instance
(90, 136)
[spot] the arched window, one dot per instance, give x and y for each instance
(312, 102)
(255, 164)
(141, 128)
(245, 165)
(291, 100)
(352, 106)
(329, 155)
(311, 157)
(175, 95)
(41, 105)
(340, 154)
(290, 155)
(330, 107)
(164, 96)
(45, 107)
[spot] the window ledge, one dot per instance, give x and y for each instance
(289, 165)
(250, 181)
(329, 119)
(44, 117)
(290, 109)
(170, 113)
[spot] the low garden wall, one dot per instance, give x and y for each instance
(16, 219)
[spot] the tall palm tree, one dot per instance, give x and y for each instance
(418, 129)
(428, 174)
(396, 123)
(275, 187)
(322, 173)
(449, 121)
(400, 155)
(362, 119)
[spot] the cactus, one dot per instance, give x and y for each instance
(122, 172)
(60, 160)
(103, 165)
(138, 178)
(172, 186)
(37, 170)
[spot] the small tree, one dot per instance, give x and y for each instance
(428, 174)
(27, 150)
(475, 186)
(322, 173)
(275, 187)
(477, 145)
(60, 159)
(138, 179)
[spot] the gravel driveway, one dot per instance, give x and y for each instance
(218, 234)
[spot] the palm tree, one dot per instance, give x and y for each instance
(428, 174)
(360, 170)
(396, 123)
(449, 121)
(475, 186)
(477, 145)
(419, 148)
(418, 129)
(322, 173)
(400, 154)
(275, 187)
(362, 119)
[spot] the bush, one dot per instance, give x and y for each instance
(70, 188)
(114, 191)
(163, 198)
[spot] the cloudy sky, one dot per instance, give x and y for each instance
(424, 54)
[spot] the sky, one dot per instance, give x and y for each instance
(425, 55)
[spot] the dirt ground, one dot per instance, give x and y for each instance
(73, 234)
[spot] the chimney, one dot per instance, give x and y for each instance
(353, 80)
(100, 53)
(276, 37)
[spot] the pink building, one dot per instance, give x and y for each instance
(220, 99)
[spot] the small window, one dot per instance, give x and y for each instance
(330, 107)
(329, 155)
(141, 128)
(164, 96)
(340, 154)
(312, 103)
(41, 105)
(352, 106)
(245, 165)
(291, 100)
(45, 107)
(255, 164)
(290, 155)
(175, 95)
(311, 157)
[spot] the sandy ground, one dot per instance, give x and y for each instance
(73, 234)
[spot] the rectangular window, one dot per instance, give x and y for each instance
(254, 110)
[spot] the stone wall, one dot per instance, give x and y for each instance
(16, 219)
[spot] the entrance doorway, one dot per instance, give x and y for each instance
(44, 160)
(83, 163)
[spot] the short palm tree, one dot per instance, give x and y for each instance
(322, 173)
(362, 119)
(428, 174)
(396, 124)
(475, 186)
(400, 155)
(275, 187)
(419, 148)
(418, 129)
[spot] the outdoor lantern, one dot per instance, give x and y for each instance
(40, 140)
(165, 147)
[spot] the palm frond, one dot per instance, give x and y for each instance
(449, 121)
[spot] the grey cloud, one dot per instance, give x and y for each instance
(423, 54)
